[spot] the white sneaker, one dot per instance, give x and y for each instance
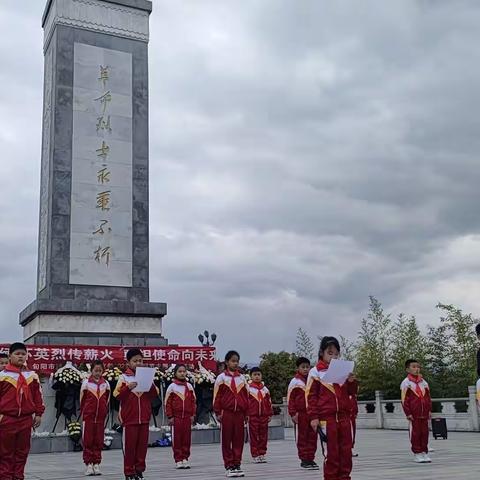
(230, 472)
(418, 458)
(426, 458)
(89, 471)
(263, 459)
(186, 464)
(257, 459)
(239, 472)
(96, 470)
(431, 449)
(179, 465)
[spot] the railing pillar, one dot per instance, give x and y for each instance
(473, 408)
(379, 408)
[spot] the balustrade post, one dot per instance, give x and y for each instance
(379, 408)
(473, 408)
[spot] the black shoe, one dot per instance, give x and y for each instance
(304, 464)
(313, 466)
(140, 475)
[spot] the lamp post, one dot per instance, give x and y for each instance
(206, 339)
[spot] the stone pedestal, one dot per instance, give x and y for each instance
(93, 260)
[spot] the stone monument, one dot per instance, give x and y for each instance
(93, 257)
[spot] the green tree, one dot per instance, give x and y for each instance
(407, 342)
(438, 369)
(459, 329)
(374, 351)
(348, 348)
(278, 369)
(304, 345)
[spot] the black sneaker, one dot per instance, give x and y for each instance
(140, 475)
(239, 471)
(313, 466)
(304, 464)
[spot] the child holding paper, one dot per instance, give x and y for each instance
(417, 406)
(134, 415)
(329, 408)
(180, 407)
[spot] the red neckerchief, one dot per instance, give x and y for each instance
(97, 383)
(233, 384)
(321, 365)
(129, 372)
(417, 380)
(22, 386)
(301, 377)
(259, 387)
(180, 382)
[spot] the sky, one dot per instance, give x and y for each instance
(303, 156)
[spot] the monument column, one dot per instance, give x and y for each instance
(93, 259)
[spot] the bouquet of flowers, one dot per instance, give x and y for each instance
(67, 376)
(111, 374)
(74, 430)
(168, 375)
(204, 377)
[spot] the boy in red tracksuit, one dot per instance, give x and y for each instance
(329, 407)
(21, 408)
(180, 408)
(305, 436)
(94, 403)
(134, 415)
(260, 413)
(417, 405)
(353, 421)
(230, 404)
(3, 361)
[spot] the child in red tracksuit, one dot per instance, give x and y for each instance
(260, 413)
(21, 408)
(230, 404)
(180, 408)
(94, 402)
(353, 421)
(3, 361)
(329, 407)
(134, 415)
(305, 436)
(417, 405)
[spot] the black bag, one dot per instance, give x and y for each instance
(439, 428)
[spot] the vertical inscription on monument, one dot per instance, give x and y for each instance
(101, 209)
(45, 172)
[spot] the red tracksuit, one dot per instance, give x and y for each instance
(20, 399)
(230, 401)
(353, 417)
(94, 401)
(306, 437)
(417, 402)
(181, 406)
(331, 405)
(134, 415)
(260, 411)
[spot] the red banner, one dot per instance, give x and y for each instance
(46, 359)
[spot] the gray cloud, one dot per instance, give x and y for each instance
(303, 156)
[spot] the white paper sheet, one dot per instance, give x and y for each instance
(144, 378)
(338, 371)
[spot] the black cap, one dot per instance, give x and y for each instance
(327, 341)
(133, 352)
(17, 346)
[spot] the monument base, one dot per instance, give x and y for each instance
(82, 322)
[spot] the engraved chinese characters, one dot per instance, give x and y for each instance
(101, 210)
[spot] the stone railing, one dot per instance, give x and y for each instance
(462, 414)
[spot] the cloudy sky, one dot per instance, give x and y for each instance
(304, 155)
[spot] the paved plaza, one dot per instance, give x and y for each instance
(383, 455)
